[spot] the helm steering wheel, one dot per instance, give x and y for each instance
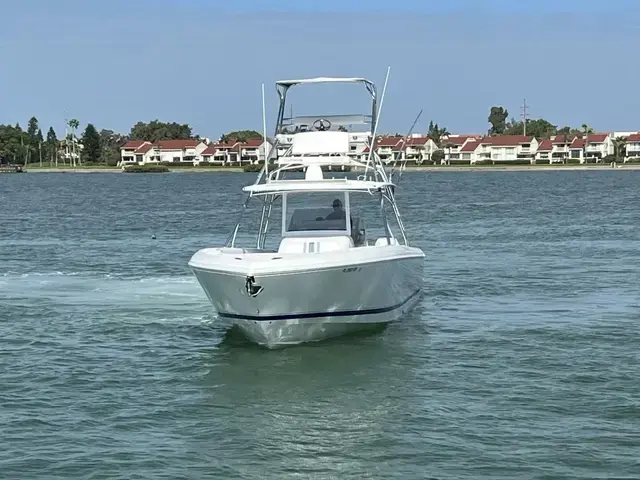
(322, 124)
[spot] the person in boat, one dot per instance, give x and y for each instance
(338, 211)
(339, 214)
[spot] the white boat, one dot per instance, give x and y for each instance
(323, 276)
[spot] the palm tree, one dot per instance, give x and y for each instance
(448, 145)
(620, 147)
(72, 140)
(436, 133)
(442, 132)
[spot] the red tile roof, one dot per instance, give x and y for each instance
(395, 143)
(417, 141)
(506, 140)
(597, 137)
(388, 141)
(634, 137)
(252, 143)
(577, 142)
(561, 139)
(144, 148)
(235, 146)
(227, 146)
(459, 139)
(545, 145)
(133, 144)
(210, 150)
(470, 146)
(177, 144)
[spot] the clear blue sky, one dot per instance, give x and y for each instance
(202, 61)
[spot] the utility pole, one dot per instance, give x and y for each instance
(524, 117)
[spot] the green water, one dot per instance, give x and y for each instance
(522, 360)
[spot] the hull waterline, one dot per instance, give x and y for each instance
(308, 306)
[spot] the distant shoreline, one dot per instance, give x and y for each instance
(429, 168)
(483, 168)
(119, 170)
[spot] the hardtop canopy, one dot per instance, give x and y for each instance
(290, 83)
(309, 186)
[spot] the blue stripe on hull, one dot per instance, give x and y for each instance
(342, 313)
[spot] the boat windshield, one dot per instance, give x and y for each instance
(316, 212)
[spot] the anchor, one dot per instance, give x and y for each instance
(252, 290)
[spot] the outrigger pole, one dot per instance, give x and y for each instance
(383, 172)
(404, 146)
(265, 169)
(264, 136)
(391, 190)
(375, 127)
(264, 172)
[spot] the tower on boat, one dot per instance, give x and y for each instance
(313, 269)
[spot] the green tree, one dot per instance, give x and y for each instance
(569, 131)
(91, 144)
(32, 128)
(240, 136)
(539, 128)
(39, 141)
(497, 118)
(51, 145)
(12, 144)
(110, 143)
(157, 130)
(437, 156)
(620, 147)
(31, 141)
(436, 133)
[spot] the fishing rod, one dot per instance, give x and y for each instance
(404, 144)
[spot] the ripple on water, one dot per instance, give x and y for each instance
(520, 362)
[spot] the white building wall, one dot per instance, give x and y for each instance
(533, 148)
(633, 149)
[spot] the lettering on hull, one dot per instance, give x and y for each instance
(351, 269)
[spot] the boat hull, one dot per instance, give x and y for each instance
(307, 305)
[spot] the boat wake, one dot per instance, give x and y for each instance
(162, 298)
